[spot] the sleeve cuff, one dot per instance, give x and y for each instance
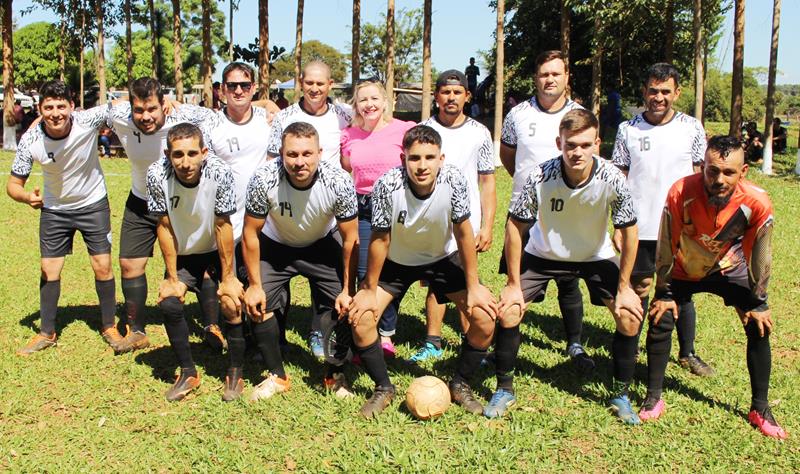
(520, 219)
(491, 171)
(627, 224)
(226, 213)
(380, 229)
(510, 145)
(461, 219)
(347, 218)
(21, 176)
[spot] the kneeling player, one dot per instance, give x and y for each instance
(575, 189)
(715, 238)
(294, 205)
(192, 194)
(421, 230)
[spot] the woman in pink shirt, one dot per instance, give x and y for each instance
(371, 146)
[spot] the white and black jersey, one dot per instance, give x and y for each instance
(655, 156)
(70, 166)
(469, 148)
(299, 217)
(421, 227)
(244, 148)
(329, 126)
(143, 149)
(192, 210)
(572, 223)
(532, 131)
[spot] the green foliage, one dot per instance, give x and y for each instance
(717, 97)
(312, 50)
(36, 54)
(407, 47)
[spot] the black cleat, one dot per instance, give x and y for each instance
(380, 399)
(461, 393)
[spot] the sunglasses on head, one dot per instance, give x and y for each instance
(244, 85)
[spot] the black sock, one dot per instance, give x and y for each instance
(759, 365)
(49, 292)
(623, 355)
(177, 331)
(468, 362)
(331, 369)
(374, 364)
(106, 293)
(570, 302)
(209, 302)
(282, 313)
(645, 304)
(266, 336)
(236, 344)
(507, 341)
(316, 315)
(658, 344)
(135, 292)
(687, 327)
(435, 340)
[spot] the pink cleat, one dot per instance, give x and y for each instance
(389, 350)
(652, 409)
(766, 423)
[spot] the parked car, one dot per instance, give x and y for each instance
(25, 100)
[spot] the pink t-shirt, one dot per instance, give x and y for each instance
(373, 153)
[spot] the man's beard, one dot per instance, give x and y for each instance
(719, 201)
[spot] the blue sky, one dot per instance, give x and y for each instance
(460, 32)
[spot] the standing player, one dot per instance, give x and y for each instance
(529, 139)
(192, 194)
(576, 187)
(466, 144)
(655, 149)
(418, 211)
(295, 205)
(75, 199)
(715, 237)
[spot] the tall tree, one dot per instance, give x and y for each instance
(298, 49)
(669, 30)
(407, 57)
(128, 42)
(566, 26)
(206, 65)
(8, 66)
(738, 70)
(263, 48)
(81, 88)
(151, 19)
(62, 49)
(426, 59)
(355, 64)
(766, 167)
(597, 65)
(176, 49)
(499, 77)
(699, 60)
(234, 5)
(101, 51)
(390, 55)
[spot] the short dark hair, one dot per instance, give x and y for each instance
(146, 87)
(238, 66)
(724, 144)
(299, 130)
(578, 120)
(547, 56)
(56, 90)
(421, 134)
(184, 130)
(661, 72)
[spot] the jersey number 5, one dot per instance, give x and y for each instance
(532, 128)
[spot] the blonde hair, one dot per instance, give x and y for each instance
(358, 120)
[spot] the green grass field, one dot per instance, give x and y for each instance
(78, 407)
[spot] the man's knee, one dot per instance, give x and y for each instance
(172, 308)
(132, 267)
(511, 317)
(628, 324)
(365, 331)
(663, 330)
(641, 285)
(481, 329)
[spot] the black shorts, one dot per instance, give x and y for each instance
(443, 277)
(645, 264)
(734, 290)
(601, 276)
(57, 229)
(320, 262)
(193, 268)
(138, 234)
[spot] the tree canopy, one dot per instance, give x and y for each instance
(312, 50)
(408, 47)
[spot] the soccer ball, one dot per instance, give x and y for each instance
(427, 397)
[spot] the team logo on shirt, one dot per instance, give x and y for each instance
(401, 217)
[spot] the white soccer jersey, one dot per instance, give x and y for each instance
(244, 148)
(421, 228)
(656, 156)
(532, 131)
(192, 210)
(469, 148)
(328, 125)
(572, 223)
(299, 217)
(70, 166)
(142, 149)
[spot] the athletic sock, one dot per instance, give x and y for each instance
(468, 362)
(49, 292)
(135, 292)
(507, 341)
(645, 304)
(209, 302)
(687, 327)
(659, 345)
(623, 354)
(236, 344)
(266, 336)
(331, 370)
(108, 302)
(570, 302)
(281, 314)
(177, 331)
(759, 365)
(316, 315)
(436, 341)
(374, 364)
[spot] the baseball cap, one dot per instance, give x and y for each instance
(452, 77)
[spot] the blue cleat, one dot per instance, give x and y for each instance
(501, 401)
(621, 406)
(427, 352)
(315, 344)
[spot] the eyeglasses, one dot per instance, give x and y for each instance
(246, 86)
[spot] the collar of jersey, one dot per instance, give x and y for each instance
(454, 127)
(674, 116)
(225, 114)
(595, 165)
(420, 196)
(328, 101)
(313, 181)
(44, 130)
(535, 103)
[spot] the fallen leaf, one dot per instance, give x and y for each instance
(101, 421)
(291, 465)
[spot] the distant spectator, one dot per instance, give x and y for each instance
(105, 141)
(281, 100)
(19, 114)
(215, 96)
(30, 116)
(754, 143)
(778, 136)
(611, 115)
(472, 72)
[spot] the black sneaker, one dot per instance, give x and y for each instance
(380, 399)
(696, 365)
(234, 385)
(184, 384)
(580, 358)
(461, 393)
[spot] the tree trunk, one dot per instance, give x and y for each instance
(597, 63)
(298, 50)
(766, 166)
(499, 78)
(62, 50)
(101, 52)
(177, 56)
(737, 71)
(566, 26)
(151, 16)
(426, 60)
(699, 70)
(390, 55)
(669, 30)
(263, 48)
(128, 43)
(8, 73)
(82, 55)
(230, 31)
(355, 61)
(206, 65)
